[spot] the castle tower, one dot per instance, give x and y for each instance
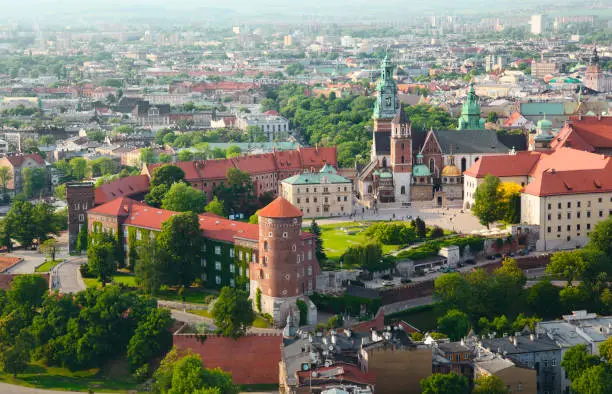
(593, 77)
(286, 268)
(79, 198)
(543, 136)
(401, 156)
(470, 112)
(386, 104)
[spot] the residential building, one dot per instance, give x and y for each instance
(516, 378)
(537, 24)
(541, 69)
(319, 194)
(272, 125)
(16, 163)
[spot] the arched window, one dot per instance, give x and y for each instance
(476, 159)
(403, 190)
(432, 165)
(463, 164)
(369, 189)
(402, 159)
(402, 147)
(384, 162)
(266, 246)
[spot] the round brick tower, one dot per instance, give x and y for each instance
(279, 273)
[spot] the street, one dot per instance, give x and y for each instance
(67, 278)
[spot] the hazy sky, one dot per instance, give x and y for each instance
(394, 9)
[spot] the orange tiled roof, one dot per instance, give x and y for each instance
(318, 157)
(127, 186)
(280, 208)
(7, 262)
(255, 164)
(252, 359)
(504, 165)
(17, 160)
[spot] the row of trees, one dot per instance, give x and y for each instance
(26, 222)
(589, 374)
(79, 332)
(497, 201)
(453, 383)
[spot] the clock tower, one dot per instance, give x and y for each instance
(386, 105)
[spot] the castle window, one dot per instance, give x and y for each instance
(432, 165)
(295, 221)
(203, 262)
(218, 265)
(240, 254)
(310, 255)
(293, 248)
(265, 246)
(403, 190)
(246, 272)
(218, 279)
(265, 259)
(309, 271)
(81, 217)
(232, 282)
(217, 250)
(232, 252)
(232, 268)
(203, 276)
(402, 156)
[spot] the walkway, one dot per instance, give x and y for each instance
(6, 388)
(194, 320)
(67, 277)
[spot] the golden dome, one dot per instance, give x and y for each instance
(451, 170)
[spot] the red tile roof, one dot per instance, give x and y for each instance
(280, 208)
(142, 215)
(214, 169)
(251, 359)
(378, 323)
(256, 164)
(504, 165)
(596, 131)
(318, 157)
(288, 160)
(7, 262)
(512, 119)
(127, 186)
(17, 160)
(569, 138)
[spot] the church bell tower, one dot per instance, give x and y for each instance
(386, 104)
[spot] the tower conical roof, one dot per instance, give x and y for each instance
(280, 208)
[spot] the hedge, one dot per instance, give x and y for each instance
(345, 304)
(431, 248)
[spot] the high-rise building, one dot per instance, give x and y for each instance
(537, 24)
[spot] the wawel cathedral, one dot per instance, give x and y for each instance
(419, 165)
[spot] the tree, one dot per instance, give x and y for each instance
(34, 181)
(164, 158)
(49, 248)
(316, 230)
(543, 299)
(147, 156)
(238, 193)
(450, 383)
(215, 206)
(181, 239)
(489, 384)
(492, 117)
(27, 292)
(152, 338)
(594, 380)
(510, 202)
(60, 192)
(420, 227)
(486, 200)
(254, 218)
(156, 195)
(576, 360)
(167, 174)
(233, 151)
(605, 349)
(81, 243)
(78, 168)
(568, 265)
(601, 237)
(233, 312)
(436, 232)
(5, 177)
(14, 359)
(182, 198)
(26, 222)
(102, 256)
(185, 155)
(455, 324)
(150, 268)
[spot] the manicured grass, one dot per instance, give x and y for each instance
(337, 238)
(192, 295)
(260, 322)
(125, 278)
(48, 265)
(200, 312)
(53, 378)
(425, 317)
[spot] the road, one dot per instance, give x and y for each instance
(67, 276)
(195, 320)
(11, 389)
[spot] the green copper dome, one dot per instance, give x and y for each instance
(420, 170)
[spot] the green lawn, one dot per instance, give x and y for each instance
(125, 278)
(117, 380)
(48, 265)
(260, 322)
(258, 387)
(337, 238)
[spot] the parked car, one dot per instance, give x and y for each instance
(490, 257)
(406, 280)
(387, 283)
(471, 262)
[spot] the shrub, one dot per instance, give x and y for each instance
(85, 272)
(141, 374)
(258, 299)
(345, 304)
(391, 233)
(436, 232)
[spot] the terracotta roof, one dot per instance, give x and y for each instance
(318, 157)
(512, 119)
(127, 186)
(255, 164)
(504, 165)
(214, 169)
(569, 138)
(596, 131)
(7, 262)
(252, 359)
(288, 160)
(280, 208)
(188, 168)
(378, 323)
(216, 227)
(17, 160)
(118, 207)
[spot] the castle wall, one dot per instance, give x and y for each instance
(79, 198)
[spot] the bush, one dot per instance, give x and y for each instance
(85, 272)
(268, 318)
(391, 233)
(141, 374)
(436, 232)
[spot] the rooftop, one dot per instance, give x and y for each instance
(280, 208)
